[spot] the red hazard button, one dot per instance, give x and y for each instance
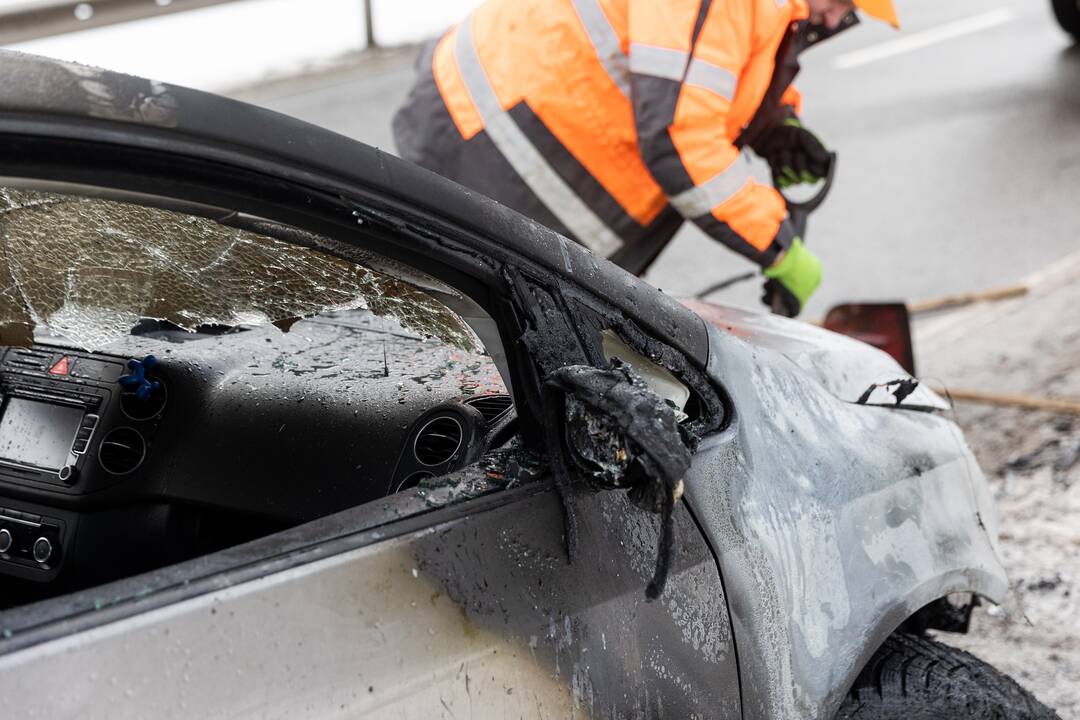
(60, 367)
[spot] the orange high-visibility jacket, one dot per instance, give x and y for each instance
(612, 121)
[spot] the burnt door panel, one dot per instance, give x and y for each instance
(587, 626)
(471, 615)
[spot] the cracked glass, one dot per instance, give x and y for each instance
(90, 269)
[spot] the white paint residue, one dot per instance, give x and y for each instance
(905, 543)
(804, 543)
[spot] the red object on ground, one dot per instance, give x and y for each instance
(886, 326)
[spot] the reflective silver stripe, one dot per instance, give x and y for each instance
(606, 43)
(523, 155)
(658, 61)
(705, 75)
(699, 201)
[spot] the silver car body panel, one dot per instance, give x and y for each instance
(841, 365)
(833, 523)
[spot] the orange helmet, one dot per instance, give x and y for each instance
(880, 9)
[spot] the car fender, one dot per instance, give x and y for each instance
(833, 523)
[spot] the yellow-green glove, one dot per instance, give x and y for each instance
(792, 280)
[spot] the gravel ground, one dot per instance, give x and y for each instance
(1030, 345)
(1035, 636)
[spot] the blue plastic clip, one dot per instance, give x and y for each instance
(137, 381)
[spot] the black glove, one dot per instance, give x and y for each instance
(779, 299)
(794, 154)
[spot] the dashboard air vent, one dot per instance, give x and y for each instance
(151, 407)
(492, 407)
(29, 359)
(122, 450)
(413, 480)
(438, 441)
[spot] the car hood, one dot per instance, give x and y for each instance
(845, 367)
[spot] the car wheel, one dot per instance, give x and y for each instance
(912, 677)
(1068, 15)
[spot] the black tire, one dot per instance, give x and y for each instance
(1068, 15)
(915, 678)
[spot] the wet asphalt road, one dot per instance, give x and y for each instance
(959, 151)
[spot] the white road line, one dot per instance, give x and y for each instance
(923, 39)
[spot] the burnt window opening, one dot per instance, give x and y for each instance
(705, 408)
(693, 408)
(659, 379)
(599, 329)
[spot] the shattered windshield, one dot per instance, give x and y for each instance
(90, 269)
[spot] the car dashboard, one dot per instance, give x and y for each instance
(167, 444)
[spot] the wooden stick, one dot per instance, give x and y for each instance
(1008, 400)
(951, 301)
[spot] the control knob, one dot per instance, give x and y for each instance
(68, 474)
(5, 540)
(43, 550)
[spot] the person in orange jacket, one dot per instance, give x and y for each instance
(613, 121)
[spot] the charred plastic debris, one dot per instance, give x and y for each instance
(604, 426)
(946, 614)
(900, 389)
(623, 437)
(502, 469)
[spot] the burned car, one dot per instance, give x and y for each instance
(291, 427)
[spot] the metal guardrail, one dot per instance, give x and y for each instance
(31, 20)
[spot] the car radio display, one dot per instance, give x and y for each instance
(37, 433)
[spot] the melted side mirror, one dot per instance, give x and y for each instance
(608, 428)
(886, 326)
